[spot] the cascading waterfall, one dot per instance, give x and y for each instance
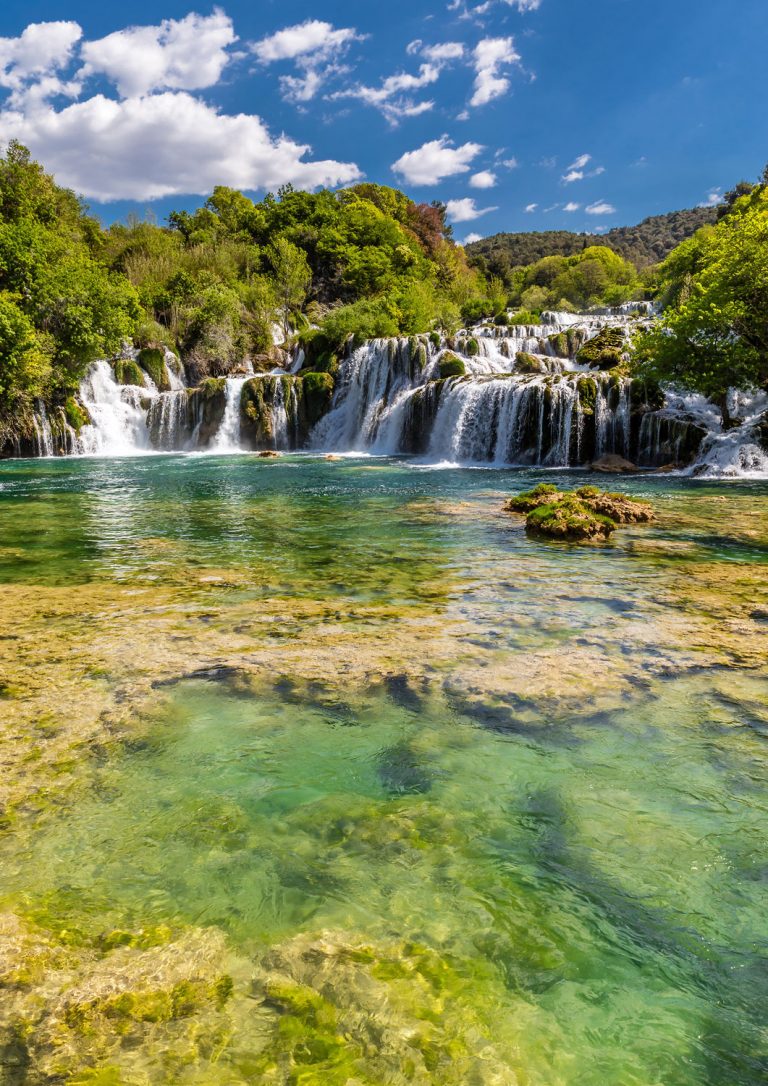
(512, 394)
(43, 433)
(228, 437)
(371, 383)
(118, 424)
(545, 409)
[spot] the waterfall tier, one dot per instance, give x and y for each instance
(494, 394)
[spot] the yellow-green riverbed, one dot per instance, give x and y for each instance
(326, 773)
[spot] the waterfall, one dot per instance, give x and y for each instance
(168, 420)
(370, 386)
(118, 419)
(517, 395)
(228, 437)
(43, 434)
(280, 416)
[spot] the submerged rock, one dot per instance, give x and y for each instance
(612, 464)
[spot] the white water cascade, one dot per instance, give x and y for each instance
(494, 395)
(118, 420)
(228, 437)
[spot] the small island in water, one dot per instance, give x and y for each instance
(358, 726)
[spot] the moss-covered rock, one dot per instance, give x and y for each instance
(318, 394)
(451, 365)
(605, 351)
(152, 361)
(472, 347)
(587, 389)
(528, 363)
(619, 507)
(128, 372)
(570, 519)
(587, 513)
(75, 414)
(532, 499)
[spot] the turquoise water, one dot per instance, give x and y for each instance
(354, 698)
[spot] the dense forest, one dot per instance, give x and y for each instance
(327, 267)
(650, 242)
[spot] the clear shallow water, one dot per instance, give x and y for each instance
(361, 702)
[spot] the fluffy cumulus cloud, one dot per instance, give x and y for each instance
(179, 54)
(316, 49)
(433, 161)
(33, 59)
(162, 145)
(484, 179)
(571, 207)
(466, 210)
(530, 208)
(491, 56)
(472, 237)
(601, 207)
(151, 137)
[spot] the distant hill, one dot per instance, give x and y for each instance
(647, 243)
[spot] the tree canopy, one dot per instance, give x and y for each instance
(714, 330)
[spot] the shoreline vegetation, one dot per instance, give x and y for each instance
(241, 282)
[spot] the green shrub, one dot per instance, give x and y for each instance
(451, 365)
(525, 317)
(152, 361)
(318, 394)
(128, 372)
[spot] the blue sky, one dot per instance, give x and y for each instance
(520, 114)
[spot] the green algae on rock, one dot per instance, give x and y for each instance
(451, 365)
(581, 515)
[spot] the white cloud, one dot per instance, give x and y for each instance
(714, 199)
(510, 163)
(530, 208)
(313, 36)
(433, 161)
(524, 5)
(439, 54)
(40, 50)
(393, 98)
(315, 47)
(485, 179)
(571, 207)
(472, 237)
(600, 208)
(577, 170)
(466, 210)
(162, 145)
(179, 54)
(28, 63)
(490, 56)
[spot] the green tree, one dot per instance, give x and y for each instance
(714, 333)
(292, 279)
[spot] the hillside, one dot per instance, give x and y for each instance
(647, 243)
